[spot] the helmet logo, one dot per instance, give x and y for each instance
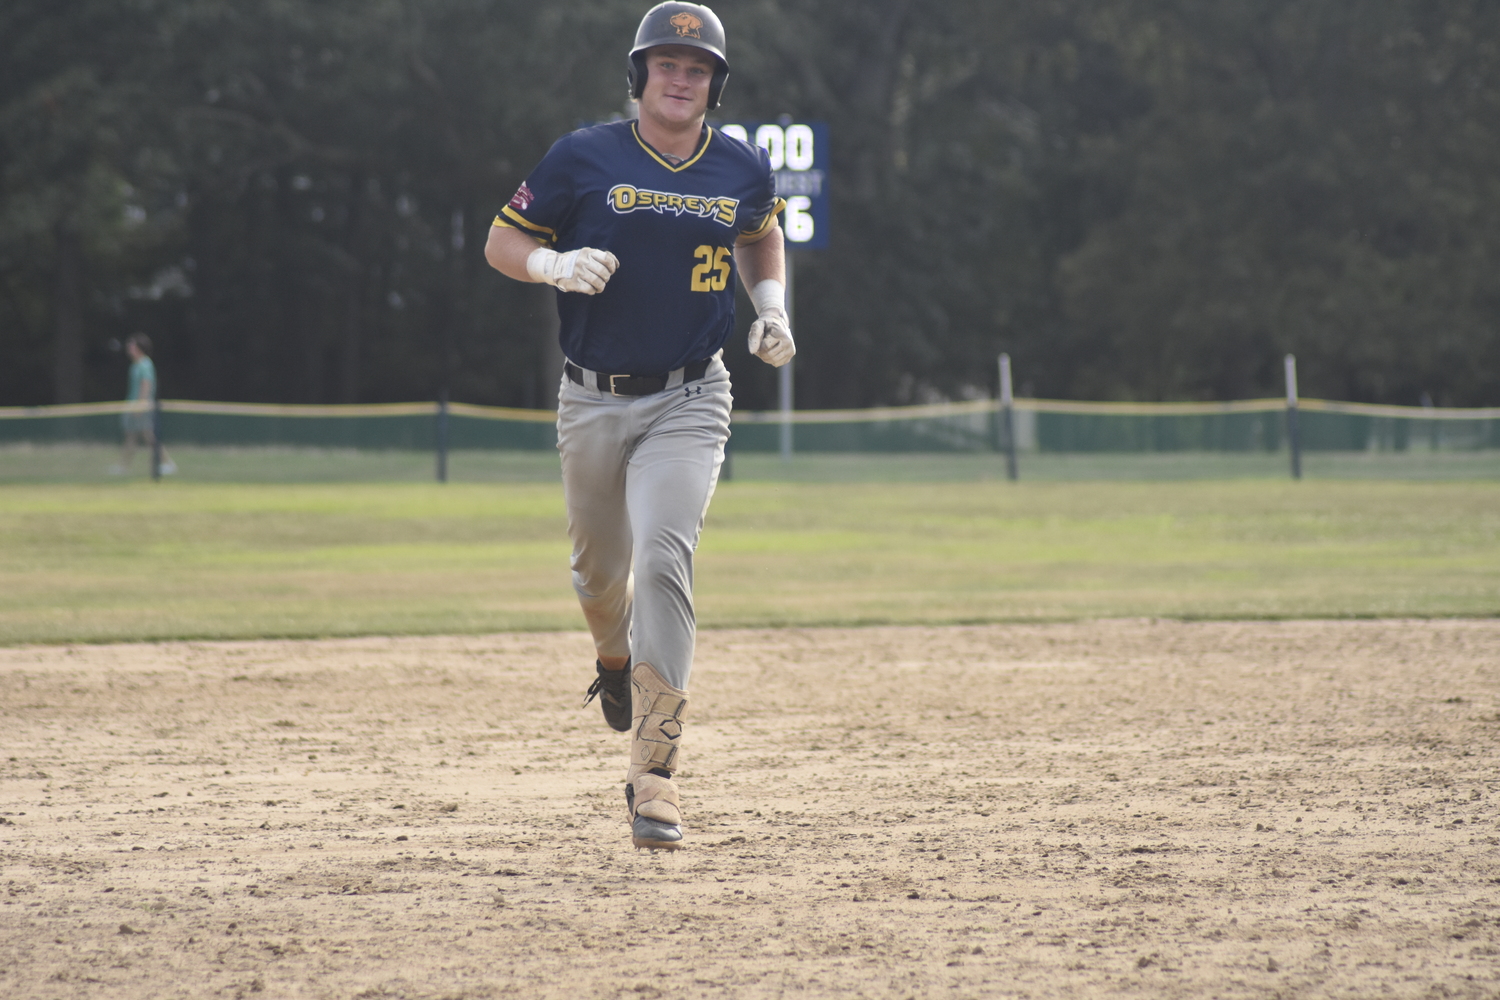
(687, 25)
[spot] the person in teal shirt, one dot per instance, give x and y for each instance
(141, 395)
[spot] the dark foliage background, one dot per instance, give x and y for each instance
(1138, 199)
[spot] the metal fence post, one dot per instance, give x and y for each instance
(1293, 432)
(442, 437)
(784, 373)
(156, 438)
(1007, 419)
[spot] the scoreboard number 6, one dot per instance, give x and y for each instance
(712, 273)
(799, 220)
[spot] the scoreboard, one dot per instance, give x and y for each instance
(799, 156)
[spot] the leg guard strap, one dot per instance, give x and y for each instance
(654, 798)
(657, 708)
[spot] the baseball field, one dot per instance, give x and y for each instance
(947, 739)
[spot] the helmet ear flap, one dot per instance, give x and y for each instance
(635, 75)
(716, 85)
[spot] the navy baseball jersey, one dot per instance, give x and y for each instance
(673, 229)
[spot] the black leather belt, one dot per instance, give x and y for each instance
(636, 385)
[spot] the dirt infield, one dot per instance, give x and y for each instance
(1144, 809)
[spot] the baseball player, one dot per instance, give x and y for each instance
(642, 227)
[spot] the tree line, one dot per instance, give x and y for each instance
(1137, 199)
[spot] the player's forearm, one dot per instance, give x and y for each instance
(762, 267)
(763, 260)
(507, 250)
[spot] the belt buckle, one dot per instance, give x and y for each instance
(612, 390)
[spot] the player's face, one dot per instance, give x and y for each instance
(677, 83)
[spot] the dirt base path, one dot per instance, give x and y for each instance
(1107, 809)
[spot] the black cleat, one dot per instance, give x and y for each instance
(658, 836)
(651, 833)
(612, 688)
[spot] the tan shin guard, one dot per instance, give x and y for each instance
(657, 708)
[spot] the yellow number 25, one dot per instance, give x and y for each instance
(711, 274)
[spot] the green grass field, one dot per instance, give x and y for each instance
(181, 559)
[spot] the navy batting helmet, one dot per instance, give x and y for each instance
(675, 23)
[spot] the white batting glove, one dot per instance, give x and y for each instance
(771, 338)
(771, 334)
(583, 270)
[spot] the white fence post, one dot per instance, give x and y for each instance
(784, 373)
(1007, 419)
(1293, 432)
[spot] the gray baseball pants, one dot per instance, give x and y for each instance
(638, 473)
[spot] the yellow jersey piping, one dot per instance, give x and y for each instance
(707, 138)
(754, 235)
(513, 219)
